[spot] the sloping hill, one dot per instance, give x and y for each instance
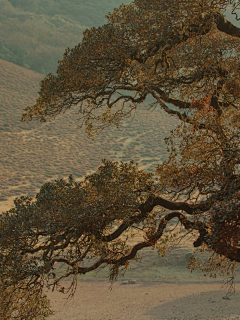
(34, 34)
(34, 153)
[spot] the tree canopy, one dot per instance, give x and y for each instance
(185, 55)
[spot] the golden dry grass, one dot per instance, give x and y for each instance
(31, 154)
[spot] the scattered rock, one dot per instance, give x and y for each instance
(128, 282)
(132, 281)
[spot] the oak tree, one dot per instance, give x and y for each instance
(185, 55)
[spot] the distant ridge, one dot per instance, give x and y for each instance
(32, 154)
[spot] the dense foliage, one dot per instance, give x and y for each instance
(184, 54)
(34, 34)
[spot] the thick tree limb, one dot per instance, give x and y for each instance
(149, 205)
(226, 26)
(234, 256)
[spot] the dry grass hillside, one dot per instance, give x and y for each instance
(34, 153)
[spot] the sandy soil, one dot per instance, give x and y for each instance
(145, 301)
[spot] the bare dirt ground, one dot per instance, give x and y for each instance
(145, 301)
(154, 288)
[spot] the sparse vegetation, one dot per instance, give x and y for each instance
(34, 34)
